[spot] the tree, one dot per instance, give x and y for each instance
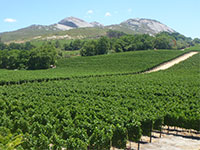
(13, 59)
(103, 45)
(28, 46)
(15, 46)
(4, 59)
(125, 42)
(114, 34)
(43, 57)
(163, 42)
(2, 46)
(196, 41)
(67, 47)
(76, 44)
(117, 46)
(73, 45)
(89, 48)
(23, 59)
(57, 44)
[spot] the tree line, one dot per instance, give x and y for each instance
(31, 58)
(119, 42)
(16, 46)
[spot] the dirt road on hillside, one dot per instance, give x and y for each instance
(172, 62)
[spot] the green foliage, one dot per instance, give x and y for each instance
(38, 58)
(134, 130)
(123, 43)
(177, 40)
(76, 143)
(101, 138)
(95, 47)
(2, 46)
(103, 45)
(196, 41)
(98, 112)
(89, 48)
(14, 59)
(119, 138)
(194, 48)
(74, 45)
(8, 141)
(115, 34)
(117, 63)
(16, 46)
(57, 44)
(163, 42)
(117, 46)
(42, 58)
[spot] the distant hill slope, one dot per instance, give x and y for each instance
(30, 32)
(117, 63)
(131, 26)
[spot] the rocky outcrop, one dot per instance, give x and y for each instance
(75, 23)
(148, 26)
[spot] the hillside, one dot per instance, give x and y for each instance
(69, 25)
(100, 112)
(117, 63)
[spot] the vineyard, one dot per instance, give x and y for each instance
(100, 112)
(129, 62)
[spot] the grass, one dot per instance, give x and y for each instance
(194, 48)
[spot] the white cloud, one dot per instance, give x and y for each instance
(90, 12)
(108, 14)
(10, 20)
(130, 10)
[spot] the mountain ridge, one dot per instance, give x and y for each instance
(150, 24)
(130, 26)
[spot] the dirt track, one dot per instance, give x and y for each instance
(172, 62)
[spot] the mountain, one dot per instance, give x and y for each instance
(66, 28)
(30, 32)
(42, 31)
(97, 24)
(73, 22)
(144, 26)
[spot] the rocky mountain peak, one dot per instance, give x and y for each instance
(146, 26)
(97, 24)
(74, 22)
(130, 26)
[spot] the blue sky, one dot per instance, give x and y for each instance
(181, 15)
